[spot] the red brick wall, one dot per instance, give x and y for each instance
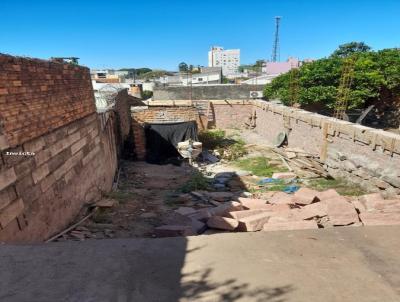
(38, 96)
(57, 153)
(158, 115)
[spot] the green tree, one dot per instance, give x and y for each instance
(351, 48)
(376, 79)
(183, 67)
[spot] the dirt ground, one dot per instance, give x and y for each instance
(147, 195)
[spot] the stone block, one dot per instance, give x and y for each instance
(317, 209)
(7, 177)
(281, 198)
(360, 207)
(11, 212)
(201, 215)
(327, 194)
(380, 218)
(253, 223)
(222, 223)
(225, 208)
(305, 196)
(341, 212)
(252, 203)
(290, 225)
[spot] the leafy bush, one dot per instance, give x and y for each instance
(196, 182)
(376, 77)
(229, 148)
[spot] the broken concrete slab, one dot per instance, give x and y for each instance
(174, 231)
(341, 211)
(281, 198)
(253, 223)
(290, 225)
(222, 223)
(305, 196)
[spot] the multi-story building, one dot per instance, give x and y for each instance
(228, 59)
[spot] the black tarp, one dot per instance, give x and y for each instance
(162, 139)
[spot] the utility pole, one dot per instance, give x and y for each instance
(275, 46)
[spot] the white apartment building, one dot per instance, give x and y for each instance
(228, 59)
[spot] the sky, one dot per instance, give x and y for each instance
(161, 34)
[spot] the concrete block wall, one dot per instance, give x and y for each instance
(363, 155)
(61, 155)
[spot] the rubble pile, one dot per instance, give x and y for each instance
(305, 209)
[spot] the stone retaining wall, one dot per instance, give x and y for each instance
(364, 155)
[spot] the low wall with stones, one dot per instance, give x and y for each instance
(363, 155)
(57, 153)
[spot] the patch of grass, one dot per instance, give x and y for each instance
(196, 182)
(259, 166)
(229, 147)
(342, 186)
(120, 196)
(212, 139)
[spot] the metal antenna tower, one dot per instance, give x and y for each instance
(275, 46)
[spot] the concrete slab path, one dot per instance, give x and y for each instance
(340, 264)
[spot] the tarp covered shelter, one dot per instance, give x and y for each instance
(162, 139)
